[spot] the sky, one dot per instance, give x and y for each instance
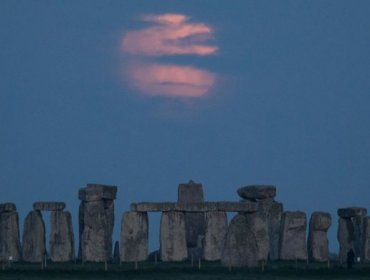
(145, 95)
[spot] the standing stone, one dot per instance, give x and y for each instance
(293, 236)
(345, 237)
(9, 233)
(61, 237)
(173, 237)
(214, 240)
(134, 237)
(366, 241)
(116, 254)
(33, 249)
(195, 222)
(318, 244)
(96, 222)
(274, 221)
(240, 248)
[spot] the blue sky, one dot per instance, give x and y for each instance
(290, 106)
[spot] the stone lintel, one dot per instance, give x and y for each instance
(93, 192)
(225, 206)
(7, 207)
(49, 206)
(351, 212)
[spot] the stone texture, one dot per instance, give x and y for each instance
(194, 222)
(256, 192)
(9, 235)
(318, 244)
(33, 245)
(134, 237)
(274, 221)
(61, 241)
(366, 240)
(96, 219)
(49, 206)
(116, 253)
(358, 242)
(240, 248)
(345, 237)
(293, 236)
(350, 212)
(7, 207)
(215, 234)
(173, 236)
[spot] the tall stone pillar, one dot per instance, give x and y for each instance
(293, 236)
(33, 245)
(134, 237)
(9, 233)
(318, 244)
(173, 236)
(214, 240)
(366, 240)
(96, 219)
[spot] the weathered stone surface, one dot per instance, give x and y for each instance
(134, 237)
(358, 242)
(293, 236)
(352, 212)
(93, 192)
(256, 192)
(274, 221)
(33, 245)
(173, 236)
(7, 207)
(240, 248)
(190, 192)
(49, 206)
(9, 236)
(116, 253)
(61, 241)
(345, 237)
(366, 241)
(215, 235)
(221, 206)
(318, 244)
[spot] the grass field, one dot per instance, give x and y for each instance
(184, 270)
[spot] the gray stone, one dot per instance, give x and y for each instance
(358, 242)
(345, 237)
(9, 236)
(173, 236)
(240, 248)
(93, 192)
(274, 221)
(190, 192)
(318, 244)
(7, 207)
(49, 206)
(33, 245)
(134, 237)
(153, 206)
(256, 192)
(350, 212)
(215, 235)
(116, 253)
(366, 241)
(61, 237)
(293, 236)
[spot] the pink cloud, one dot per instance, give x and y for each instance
(170, 34)
(171, 80)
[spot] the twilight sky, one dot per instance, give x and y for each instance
(149, 94)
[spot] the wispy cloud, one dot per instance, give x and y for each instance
(169, 35)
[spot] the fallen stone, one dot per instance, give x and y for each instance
(33, 245)
(49, 206)
(10, 247)
(215, 235)
(352, 212)
(318, 244)
(93, 192)
(255, 192)
(293, 236)
(173, 237)
(61, 242)
(240, 248)
(274, 222)
(134, 237)
(7, 207)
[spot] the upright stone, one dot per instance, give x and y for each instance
(293, 236)
(274, 220)
(366, 241)
(240, 248)
(9, 233)
(173, 237)
(214, 240)
(345, 237)
(61, 237)
(33, 249)
(134, 237)
(318, 244)
(195, 222)
(96, 222)
(116, 253)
